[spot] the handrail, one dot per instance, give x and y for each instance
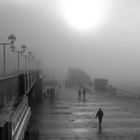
(8, 77)
(14, 86)
(121, 92)
(23, 125)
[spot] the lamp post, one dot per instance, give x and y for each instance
(12, 39)
(34, 62)
(26, 56)
(38, 64)
(23, 48)
(30, 56)
(26, 62)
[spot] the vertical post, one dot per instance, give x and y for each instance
(25, 63)
(4, 59)
(29, 63)
(18, 61)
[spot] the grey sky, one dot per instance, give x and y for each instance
(112, 51)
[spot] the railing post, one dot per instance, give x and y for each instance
(18, 61)
(4, 58)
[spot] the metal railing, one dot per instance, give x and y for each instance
(121, 92)
(12, 87)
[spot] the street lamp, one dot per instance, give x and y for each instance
(23, 48)
(38, 63)
(30, 56)
(12, 39)
(34, 62)
(26, 56)
(30, 53)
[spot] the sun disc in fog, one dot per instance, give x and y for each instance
(85, 14)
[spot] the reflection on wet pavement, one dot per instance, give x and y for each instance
(66, 117)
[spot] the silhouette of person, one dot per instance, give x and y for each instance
(51, 93)
(79, 93)
(99, 114)
(48, 92)
(84, 93)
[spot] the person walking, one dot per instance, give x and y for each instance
(48, 92)
(84, 93)
(99, 114)
(79, 93)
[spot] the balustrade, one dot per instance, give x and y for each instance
(123, 92)
(13, 87)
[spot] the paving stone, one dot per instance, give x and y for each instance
(69, 118)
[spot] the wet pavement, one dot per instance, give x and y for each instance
(67, 117)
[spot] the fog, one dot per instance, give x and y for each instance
(109, 51)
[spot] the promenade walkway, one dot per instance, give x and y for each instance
(69, 118)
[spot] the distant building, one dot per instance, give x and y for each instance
(101, 84)
(77, 77)
(52, 83)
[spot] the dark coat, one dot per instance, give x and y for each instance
(99, 114)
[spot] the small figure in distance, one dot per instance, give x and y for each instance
(99, 114)
(84, 93)
(48, 92)
(79, 93)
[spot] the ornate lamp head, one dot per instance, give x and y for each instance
(12, 38)
(23, 48)
(12, 48)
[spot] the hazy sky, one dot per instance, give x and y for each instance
(110, 50)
